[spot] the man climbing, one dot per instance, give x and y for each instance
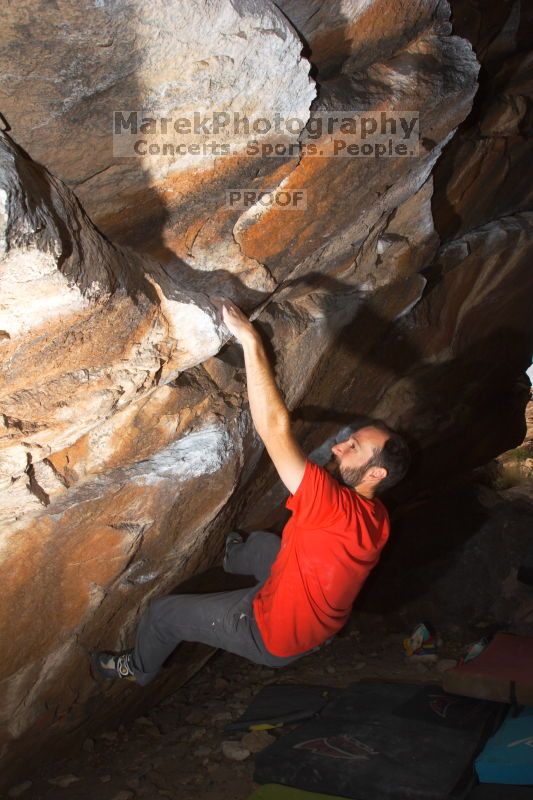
(308, 579)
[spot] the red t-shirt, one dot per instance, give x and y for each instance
(331, 542)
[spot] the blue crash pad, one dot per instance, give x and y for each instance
(508, 755)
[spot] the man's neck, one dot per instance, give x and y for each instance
(364, 491)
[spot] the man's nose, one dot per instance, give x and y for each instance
(336, 450)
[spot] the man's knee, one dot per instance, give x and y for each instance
(254, 535)
(265, 540)
(157, 606)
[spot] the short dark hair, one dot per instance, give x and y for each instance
(394, 456)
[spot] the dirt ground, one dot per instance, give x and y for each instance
(177, 751)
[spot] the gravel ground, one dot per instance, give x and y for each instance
(181, 750)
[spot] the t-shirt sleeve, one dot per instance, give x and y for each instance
(318, 500)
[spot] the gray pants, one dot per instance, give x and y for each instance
(220, 619)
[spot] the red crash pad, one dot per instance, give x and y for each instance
(503, 672)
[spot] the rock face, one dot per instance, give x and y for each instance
(104, 326)
(127, 449)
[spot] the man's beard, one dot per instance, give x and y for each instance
(349, 476)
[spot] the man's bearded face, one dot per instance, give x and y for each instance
(349, 476)
(350, 459)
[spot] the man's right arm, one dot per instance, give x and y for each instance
(269, 413)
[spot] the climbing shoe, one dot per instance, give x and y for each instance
(114, 665)
(231, 539)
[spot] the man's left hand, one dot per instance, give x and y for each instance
(237, 323)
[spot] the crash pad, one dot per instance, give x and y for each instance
(279, 704)
(508, 755)
(423, 703)
(502, 672)
(385, 742)
(275, 791)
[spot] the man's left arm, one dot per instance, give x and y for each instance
(269, 413)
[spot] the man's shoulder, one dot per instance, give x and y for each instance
(373, 509)
(314, 473)
(319, 497)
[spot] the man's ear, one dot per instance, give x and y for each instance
(376, 474)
